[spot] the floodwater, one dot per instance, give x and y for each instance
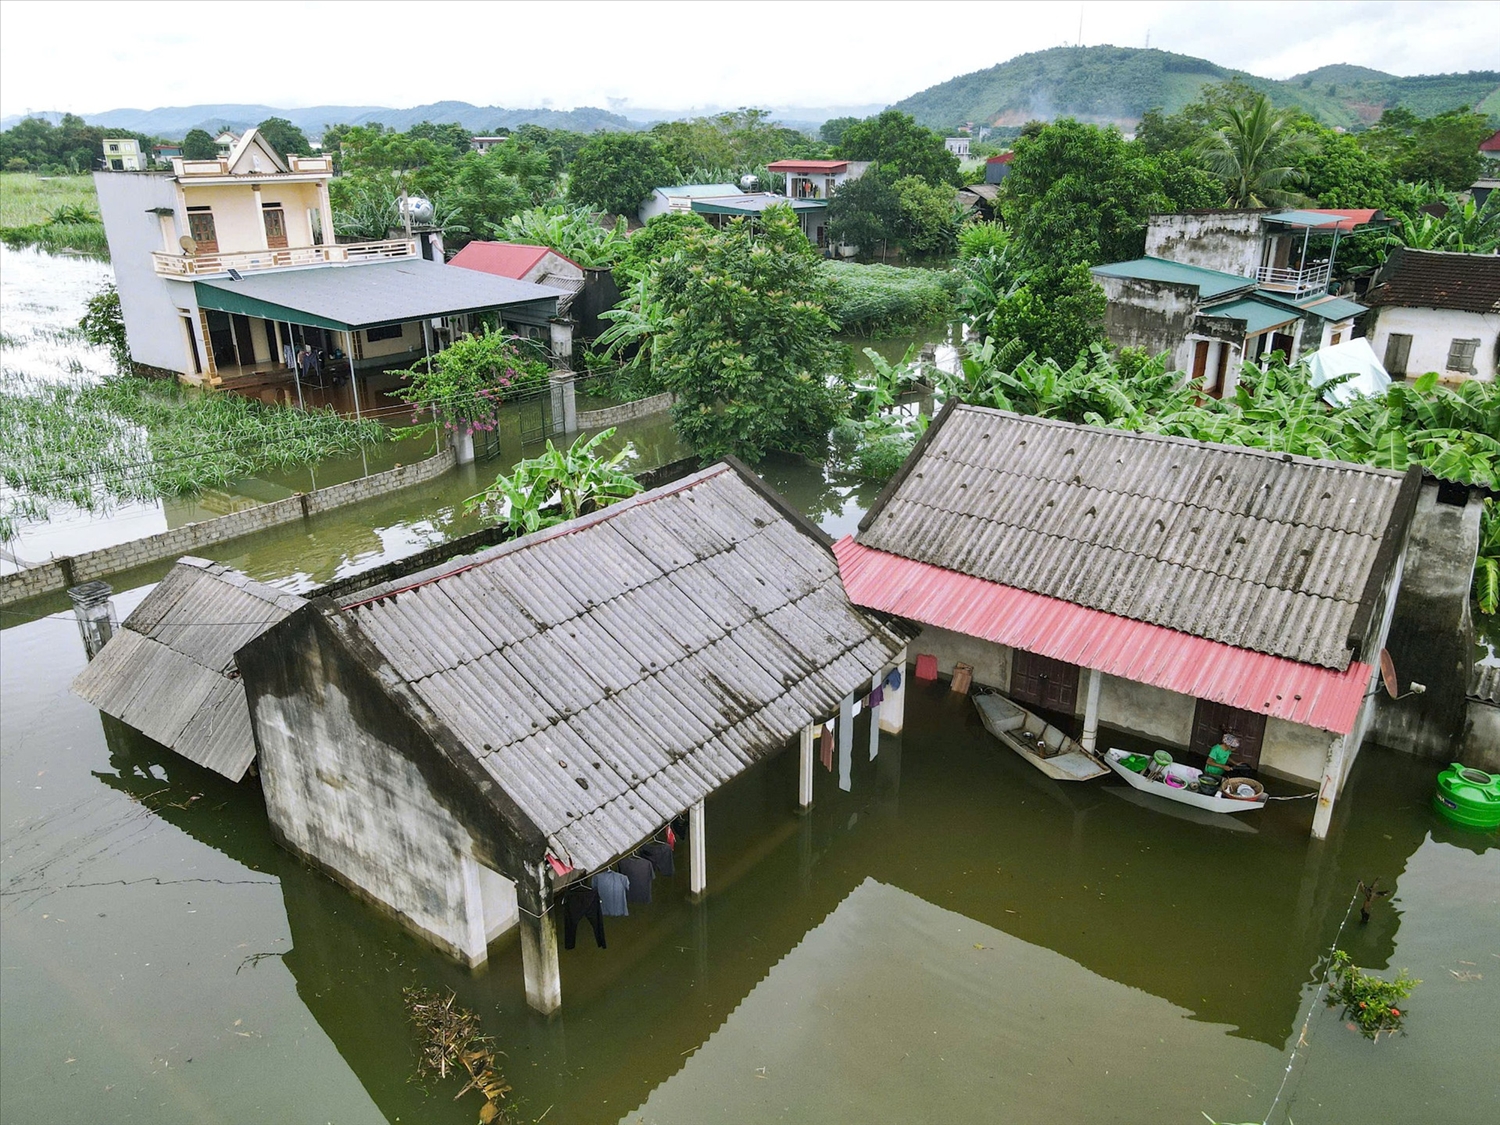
(955, 938)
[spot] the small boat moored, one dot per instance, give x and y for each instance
(1038, 741)
(1186, 785)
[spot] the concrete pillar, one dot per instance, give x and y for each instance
(1091, 711)
(463, 446)
(846, 742)
(805, 767)
(260, 218)
(564, 403)
(473, 941)
(539, 943)
(561, 333)
(1328, 791)
(697, 854)
(94, 607)
(893, 707)
(875, 717)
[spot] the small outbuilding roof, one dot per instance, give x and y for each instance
(690, 191)
(504, 259)
(1209, 283)
(371, 294)
(1263, 551)
(1259, 315)
(1491, 143)
(170, 671)
(1433, 279)
(611, 672)
(754, 203)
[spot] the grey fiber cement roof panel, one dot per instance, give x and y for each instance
(1259, 550)
(662, 649)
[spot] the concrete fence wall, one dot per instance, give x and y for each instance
(58, 574)
(614, 415)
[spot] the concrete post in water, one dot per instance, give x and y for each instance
(1091, 710)
(1328, 791)
(805, 767)
(94, 607)
(463, 446)
(875, 682)
(697, 855)
(893, 706)
(539, 943)
(846, 742)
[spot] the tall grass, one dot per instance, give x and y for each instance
(54, 213)
(888, 300)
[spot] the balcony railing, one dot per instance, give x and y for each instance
(198, 265)
(296, 165)
(1312, 279)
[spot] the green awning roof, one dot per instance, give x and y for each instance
(754, 204)
(345, 298)
(1209, 283)
(1259, 316)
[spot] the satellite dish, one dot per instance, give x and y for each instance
(1388, 674)
(188, 243)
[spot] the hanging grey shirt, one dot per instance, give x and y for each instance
(640, 873)
(612, 886)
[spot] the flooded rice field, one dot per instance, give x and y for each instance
(955, 938)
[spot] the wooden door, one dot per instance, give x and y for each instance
(1211, 721)
(1200, 360)
(275, 220)
(1049, 684)
(1397, 352)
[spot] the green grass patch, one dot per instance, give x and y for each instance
(53, 213)
(875, 300)
(128, 438)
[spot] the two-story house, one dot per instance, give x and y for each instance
(809, 185)
(1217, 288)
(228, 268)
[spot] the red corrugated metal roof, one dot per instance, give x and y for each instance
(1492, 144)
(503, 259)
(1003, 158)
(1133, 650)
(807, 166)
(1353, 217)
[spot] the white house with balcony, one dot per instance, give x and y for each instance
(1217, 288)
(228, 269)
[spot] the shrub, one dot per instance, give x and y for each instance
(887, 300)
(1370, 1002)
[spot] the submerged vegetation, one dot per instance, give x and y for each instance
(449, 1039)
(465, 383)
(53, 213)
(1369, 1002)
(876, 300)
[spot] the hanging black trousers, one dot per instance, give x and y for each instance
(582, 904)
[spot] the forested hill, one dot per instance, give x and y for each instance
(1118, 84)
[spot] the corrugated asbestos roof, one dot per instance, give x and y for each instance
(1133, 650)
(170, 672)
(1263, 551)
(614, 671)
(1209, 283)
(1484, 684)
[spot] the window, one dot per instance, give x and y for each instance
(201, 227)
(1461, 355)
(384, 332)
(275, 220)
(1397, 349)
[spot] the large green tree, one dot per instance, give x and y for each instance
(1255, 153)
(896, 142)
(747, 346)
(866, 211)
(1442, 150)
(283, 137)
(199, 145)
(616, 172)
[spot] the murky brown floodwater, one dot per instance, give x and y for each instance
(955, 939)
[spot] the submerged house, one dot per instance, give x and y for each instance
(1438, 311)
(1167, 588)
(462, 744)
(679, 198)
(227, 268)
(1217, 288)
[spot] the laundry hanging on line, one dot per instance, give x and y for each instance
(639, 871)
(659, 855)
(613, 889)
(581, 904)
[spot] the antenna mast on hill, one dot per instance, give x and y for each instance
(1080, 25)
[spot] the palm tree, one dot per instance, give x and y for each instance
(1254, 153)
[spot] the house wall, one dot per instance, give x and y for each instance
(151, 306)
(991, 662)
(1148, 314)
(1432, 333)
(343, 790)
(1295, 752)
(1229, 241)
(556, 265)
(409, 340)
(237, 222)
(1144, 710)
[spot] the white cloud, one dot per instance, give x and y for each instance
(88, 57)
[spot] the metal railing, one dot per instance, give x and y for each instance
(197, 265)
(1314, 277)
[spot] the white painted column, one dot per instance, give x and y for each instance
(846, 742)
(260, 218)
(353, 373)
(875, 717)
(697, 855)
(539, 944)
(1328, 792)
(1091, 710)
(893, 707)
(472, 940)
(805, 767)
(326, 202)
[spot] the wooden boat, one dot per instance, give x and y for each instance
(1188, 794)
(1039, 742)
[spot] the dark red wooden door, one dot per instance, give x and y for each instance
(1211, 721)
(1043, 682)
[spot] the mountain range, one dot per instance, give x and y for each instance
(1118, 84)
(1098, 84)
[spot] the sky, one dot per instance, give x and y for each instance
(88, 57)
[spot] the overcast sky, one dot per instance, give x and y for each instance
(88, 57)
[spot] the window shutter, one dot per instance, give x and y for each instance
(1461, 355)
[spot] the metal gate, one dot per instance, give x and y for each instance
(535, 417)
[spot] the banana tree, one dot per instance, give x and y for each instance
(559, 485)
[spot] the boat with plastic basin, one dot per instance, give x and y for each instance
(1174, 781)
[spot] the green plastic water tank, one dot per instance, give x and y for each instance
(1468, 796)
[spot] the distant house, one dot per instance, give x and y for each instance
(812, 214)
(163, 153)
(997, 167)
(679, 197)
(980, 199)
(1217, 288)
(1437, 311)
(484, 144)
(958, 146)
(226, 140)
(123, 154)
(1489, 153)
(538, 264)
(1162, 587)
(464, 744)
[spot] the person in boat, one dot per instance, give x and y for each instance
(1220, 753)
